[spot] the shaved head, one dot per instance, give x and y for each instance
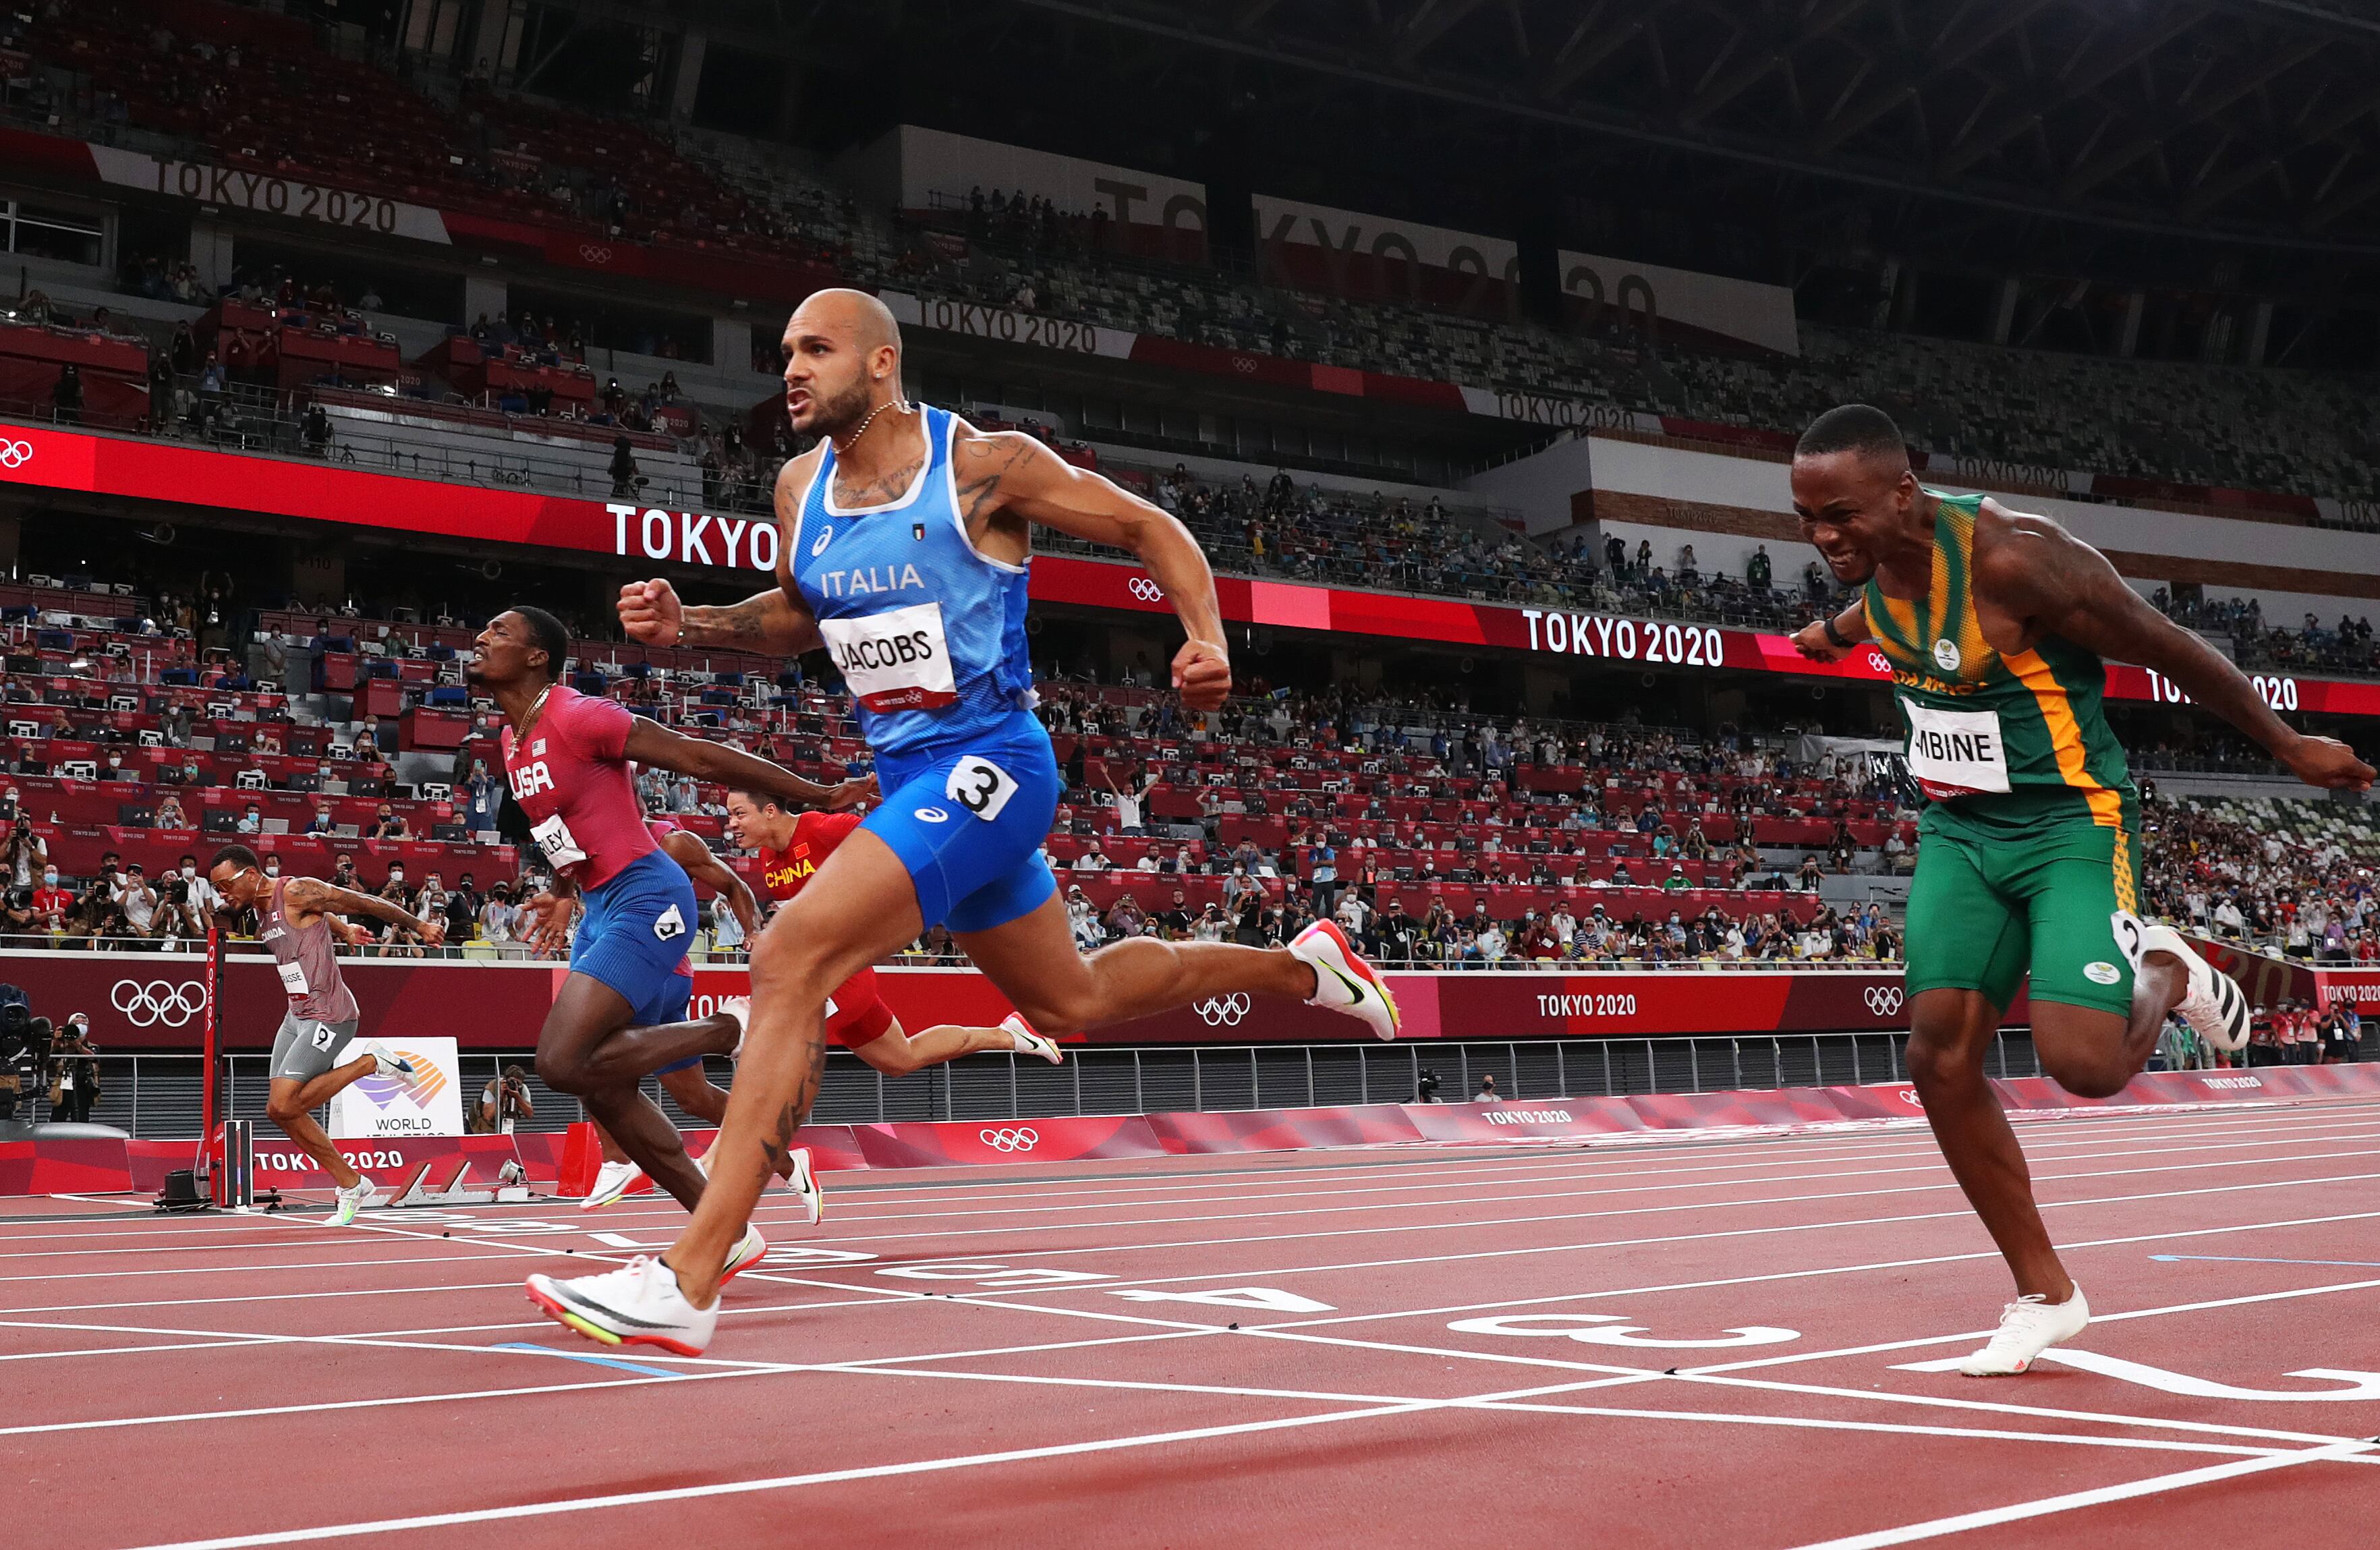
(843, 359)
(852, 315)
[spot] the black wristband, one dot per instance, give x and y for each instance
(1833, 634)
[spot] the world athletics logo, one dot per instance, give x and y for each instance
(426, 1082)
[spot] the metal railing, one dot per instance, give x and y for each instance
(157, 1095)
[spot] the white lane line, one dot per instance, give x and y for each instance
(2096, 1318)
(974, 1234)
(1764, 1275)
(1960, 1214)
(2043, 1412)
(393, 1402)
(1510, 1399)
(2131, 1490)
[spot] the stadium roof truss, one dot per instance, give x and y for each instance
(2254, 121)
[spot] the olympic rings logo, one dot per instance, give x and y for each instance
(1876, 661)
(1243, 363)
(593, 254)
(1883, 1000)
(16, 455)
(1222, 1011)
(1023, 1138)
(1146, 590)
(145, 1005)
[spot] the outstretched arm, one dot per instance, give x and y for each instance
(770, 622)
(689, 852)
(651, 744)
(1008, 474)
(2064, 586)
(314, 897)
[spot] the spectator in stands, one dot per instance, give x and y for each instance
(388, 823)
(481, 795)
(497, 916)
(1486, 1093)
(51, 903)
(251, 821)
(25, 855)
(137, 899)
(322, 822)
(1093, 859)
(315, 431)
(203, 897)
(169, 813)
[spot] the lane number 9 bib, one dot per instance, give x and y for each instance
(560, 846)
(894, 660)
(1953, 753)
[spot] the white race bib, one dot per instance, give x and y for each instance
(895, 660)
(293, 979)
(1953, 753)
(560, 846)
(979, 786)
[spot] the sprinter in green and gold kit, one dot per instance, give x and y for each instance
(1994, 624)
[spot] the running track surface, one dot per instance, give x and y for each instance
(1689, 1344)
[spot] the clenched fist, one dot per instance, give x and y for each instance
(651, 613)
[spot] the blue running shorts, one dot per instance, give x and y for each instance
(969, 821)
(634, 934)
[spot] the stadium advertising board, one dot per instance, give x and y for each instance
(1318, 248)
(174, 474)
(155, 1001)
(429, 1102)
(1744, 311)
(264, 193)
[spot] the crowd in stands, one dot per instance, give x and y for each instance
(138, 742)
(259, 93)
(1416, 822)
(2345, 648)
(2296, 877)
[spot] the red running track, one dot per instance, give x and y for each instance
(1690, 1344)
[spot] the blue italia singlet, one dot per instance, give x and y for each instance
(928, 634)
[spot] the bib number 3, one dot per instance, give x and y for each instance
(980, 786)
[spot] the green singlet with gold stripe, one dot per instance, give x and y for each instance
(2028, 853)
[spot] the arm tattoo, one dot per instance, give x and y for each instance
(980, 484)
(744, 624)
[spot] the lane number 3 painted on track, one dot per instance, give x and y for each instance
(1614, 1330)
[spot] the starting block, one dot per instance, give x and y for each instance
(511, 1187)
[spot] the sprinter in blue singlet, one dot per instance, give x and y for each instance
(905, 543)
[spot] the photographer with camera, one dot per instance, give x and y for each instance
(74, 1073)
(24, 855)
(504, 1103)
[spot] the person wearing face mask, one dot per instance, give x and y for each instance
(51, 903)
(202, 892)
(115, 770)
